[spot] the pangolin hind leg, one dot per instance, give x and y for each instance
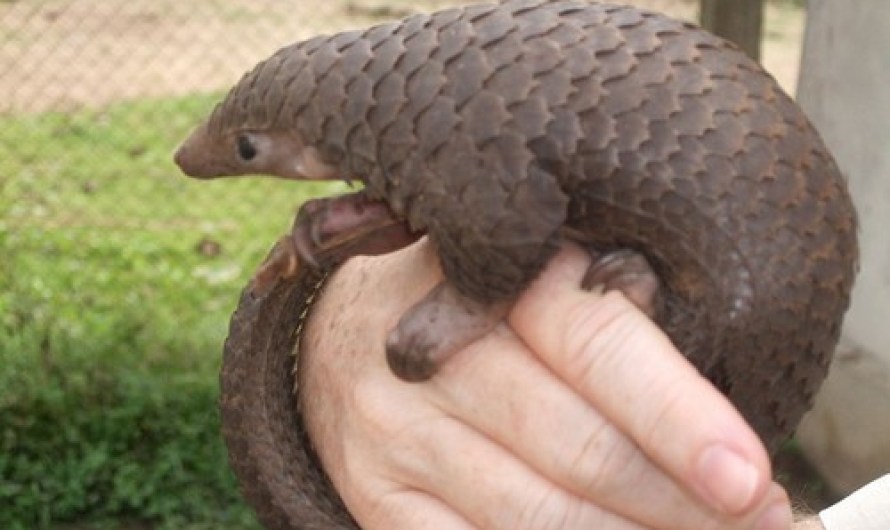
(435, 328)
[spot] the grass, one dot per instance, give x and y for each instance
(114, 302)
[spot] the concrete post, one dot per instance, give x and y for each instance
(845, 89)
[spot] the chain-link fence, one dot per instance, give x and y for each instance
(65, 54)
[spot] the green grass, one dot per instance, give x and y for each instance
(112, 320)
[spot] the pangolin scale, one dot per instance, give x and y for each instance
(491, 127)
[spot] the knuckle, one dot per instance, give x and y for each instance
(601, 466)
(385, 509)
(548, 511)
(407, 442)
(593, 334)
(670, 403)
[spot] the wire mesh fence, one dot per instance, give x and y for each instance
(67, 54)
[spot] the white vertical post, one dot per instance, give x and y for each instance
(845, 89)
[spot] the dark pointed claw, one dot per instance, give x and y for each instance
(304, 241)
(627, 271)
(282, 262)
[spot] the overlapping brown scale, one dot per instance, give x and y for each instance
(511, 83)
(466, 74)
(484, 116)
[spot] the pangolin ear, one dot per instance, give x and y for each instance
(310, 165)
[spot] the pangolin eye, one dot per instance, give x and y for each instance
(246, 149)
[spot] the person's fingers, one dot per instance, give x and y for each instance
(626, 368)
(389, 446)
(498, 387)
(424, 449)
(489, 486)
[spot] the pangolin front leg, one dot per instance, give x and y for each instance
(327, 231)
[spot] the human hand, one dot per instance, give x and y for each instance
(585, 416)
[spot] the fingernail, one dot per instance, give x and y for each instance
(729, 481)
(776, 517)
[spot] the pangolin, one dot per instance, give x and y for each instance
(499, 130)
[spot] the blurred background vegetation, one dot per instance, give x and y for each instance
(117, 275)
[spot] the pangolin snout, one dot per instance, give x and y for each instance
(192, 159)
(181, 159)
